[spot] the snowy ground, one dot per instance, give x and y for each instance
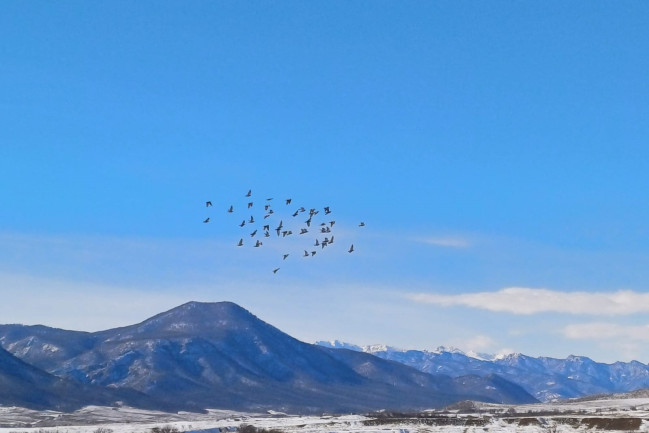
(592, 416)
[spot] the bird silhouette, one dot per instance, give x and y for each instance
(243, 223)
(296, 212)
(362, 224)
(252, 219)
(206, 220)
(267, 234)
(313, 253)
(351, 249)
(252, 235)
(317, 244)
(231, 209)
(327, 211)
(266, 227)
(249, 193)
(288, 201)
(208, 203)
(306, 253)
(240, 244)
(302, 231)
(258, 244)
(249, 205)
(285, 256)
(275, 270)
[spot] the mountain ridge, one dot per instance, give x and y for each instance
(219, 355)
(548, 379)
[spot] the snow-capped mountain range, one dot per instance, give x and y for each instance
(219, 355)
(547, 379)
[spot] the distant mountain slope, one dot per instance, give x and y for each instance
(24, 385)
(220, 355)
(545, 378)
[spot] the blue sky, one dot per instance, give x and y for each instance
(496, 151)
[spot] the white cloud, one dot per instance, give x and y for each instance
(606, 331)
(445, 241)
(76, 305)
(520, 300)
(624, 342)
(478, 343)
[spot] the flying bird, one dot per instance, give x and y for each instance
(258, 244)
(243, 223)
(208, 203)
(249, 205)
(266, 227)
(231, 209)
(240, 244)
(288, 201)
(327, 211)
(252, 235)
(296, 212)
(252, 220)
(306, 253)
(249, 193)
(351, 249)
(302, 231)
(206, 220)
(362, 224)
(275, 270)
(285, 256)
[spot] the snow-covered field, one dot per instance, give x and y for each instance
(591, 416)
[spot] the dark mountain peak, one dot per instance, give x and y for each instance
(192, 319)
(223, 308)
(579, 359)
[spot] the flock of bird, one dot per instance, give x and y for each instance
(262, 228)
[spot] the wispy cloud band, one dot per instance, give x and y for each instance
(606, 331)
(525, 301)
(445, 241)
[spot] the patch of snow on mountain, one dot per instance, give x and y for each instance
(337, 344)
(50, 348)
